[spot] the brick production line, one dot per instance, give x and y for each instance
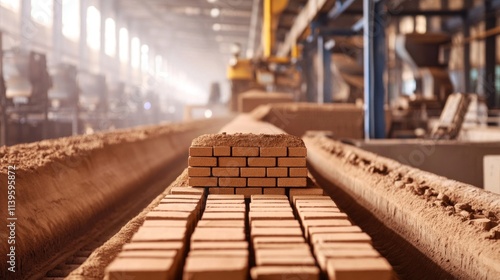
(246, 207)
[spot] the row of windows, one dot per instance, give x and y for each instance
(42, 12)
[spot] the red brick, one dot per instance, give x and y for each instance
(237, 245)
(261, 182)
(196, 197)
(273, 151)
(298, 172)
(276, 224)
(262, 162)
(359, 237)
(297, 151)
(291, 162)
(187, 190)
(284, 272)
(157, 234)
(273, 191)
(232, 182)
(221, 224)
(200, 151)
(225, 209)
(253, 172)
(304, 216)
(247, 192)
(255, 216)
(226, 197)
(165, 223)
(199, 172)
(232, 162)
(277, 232)
(285, 261)
(141, 268)
(153, 246)
(234, 268)
(169, 215)
(323, 256)
(359, 268)
(202, 161)
(277, 172)
(271, 209)
(221, 190)
(245, 151)
(223, 216)
(218, 253)
(202, 181)
(225, 171)
(222, 151)
(257, 197)
(305, 191)
(292, 182)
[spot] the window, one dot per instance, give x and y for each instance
(158, 64)
(110, 37)
(145, 58)
(124, 45)
(420, 24)
(12, 5)
(71, 19)
(93, 28)
(136, 52)
(42, 11)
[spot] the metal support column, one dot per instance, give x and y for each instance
(324, 73)
(490, 62)
(374, 65)
(466, 34)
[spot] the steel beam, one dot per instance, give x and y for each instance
(488, 83)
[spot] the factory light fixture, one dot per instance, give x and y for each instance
(71, 19)
(93, 28)
(215, 12)
(211, 1)
(123, 37)
(216, 26)
(110, 37)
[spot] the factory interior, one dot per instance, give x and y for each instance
(250, 139)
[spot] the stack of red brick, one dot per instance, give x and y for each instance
(248, 169)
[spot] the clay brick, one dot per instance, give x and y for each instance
(280, 191)
(200, 151)
(292, 182)
(300, 204)
(256, 205)
(359, 237)
(306, 225)
(247, 192)
(255, 216)
(233, 201)
(220, 224)
(169, 215)
(275, 209)
(226, 172)
(253, 172)
(284, 272)
(298, 172)
(141, 268)
(245, 151)
(262, 162)
(178, 201)
(217, 235)
(160, 254)
(323, 256)
(234, 245)
(279, 246)
(259, 197)
(187, 190)
(297, 152)
(225, 197)
(223, 216)
(196, 197)
(273, 151)
(276, 232)
(310, 198)
(275, 224)
(221, 190)
(219, 253)
(285, 261)
(202, 181)
(222, 151)
(153, 234)
(199, 172)
(232, 161)
(301, 251)
(153, 246)
(277, 172)
(359, 268)
(234, 268)
(261, 182)
(233, 182)
(304, 191)
(318, 209)
(304, 216)
(188, 207)
(224, 205)
(337, 229)
(166, 223)
(202, 161)
(221, 210)
(342, 246)
(291, 162)
(278, 240)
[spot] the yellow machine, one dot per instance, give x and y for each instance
(269, 71)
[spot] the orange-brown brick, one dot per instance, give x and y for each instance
(221, 190)
(292, 182)
(298, 172)
(248, 192)
(253, 172)
(225, 171)
(277, 172)
(199, 171)
(200, 151)
(297, 152)
(262, 162)
(261, 182)
(232, 182)
(273, 191)
(292, 162)
(202, 181)
(245, 151)
(232, 162)
(273, 151)
(202, 161)
(222, 151)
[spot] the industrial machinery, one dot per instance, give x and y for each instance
(25, 99)
(93, 101)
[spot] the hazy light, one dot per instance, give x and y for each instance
(93, 28)
(144, 58)
(124, 44)
(12, 5)
(42, 12)
(208, 113)
(110, 37)
(147, 105)
(136, 52)
(158, 64)
(211, 1)
(71, 19)
(214, 12)
(216, 27)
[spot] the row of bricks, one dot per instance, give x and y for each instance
(225, 151)
(280, 249)
(219, 249)
(342, 250)
(246, 182)
(247, 192)
(246, 161)
(247, 171)
(157, 249)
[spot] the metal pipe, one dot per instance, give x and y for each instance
(267, 28)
